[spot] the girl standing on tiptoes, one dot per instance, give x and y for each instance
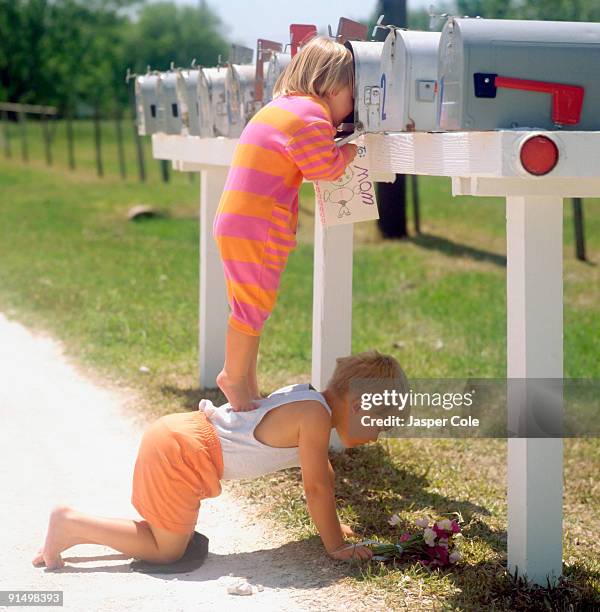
(288, 140)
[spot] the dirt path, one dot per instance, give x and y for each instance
(65, 440)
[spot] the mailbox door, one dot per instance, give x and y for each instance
(277, 65)
(368, 85)
(192, 101)
(215, 79)
(170, 103)
(153, 114)
(182, 100)
(409, 74)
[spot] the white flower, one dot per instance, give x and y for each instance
(429, 536)
(443, 542)
(454, 556)
(422, 522)
(394, 520)
(445, 524)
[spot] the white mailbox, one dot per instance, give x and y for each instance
(149, 113)
(189, 101)
(276, 66)
(502, 74)
(212, 105)
(169, 101)
(408, 83)
(239, 94)
(367, 84)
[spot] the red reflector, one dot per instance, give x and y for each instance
(539, 155)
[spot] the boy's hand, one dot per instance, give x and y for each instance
(349, 151)
(351, 552)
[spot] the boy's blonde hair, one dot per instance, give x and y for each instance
(368, 366)
(321, 67)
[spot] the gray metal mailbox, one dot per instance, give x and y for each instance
(502, 74)
(277, 65)
(212, 103)
(189, 101)
(409, 72)
(239, 94)
(149, 113)
(367, 84)
(170, 101)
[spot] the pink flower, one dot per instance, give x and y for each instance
(404, 537)
(439, 531)
(422, 522)
(442, 554)
(455, 526)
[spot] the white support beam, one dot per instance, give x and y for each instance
(534, 350)
(332, 299)
(214, 308)
(332, 303)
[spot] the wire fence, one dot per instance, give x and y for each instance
(105, 143)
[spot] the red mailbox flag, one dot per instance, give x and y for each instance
(300, 34)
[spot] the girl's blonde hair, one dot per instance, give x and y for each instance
(321, 67)
(370, 367)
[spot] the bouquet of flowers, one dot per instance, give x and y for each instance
(433, 546)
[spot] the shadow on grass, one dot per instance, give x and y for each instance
(454, 249)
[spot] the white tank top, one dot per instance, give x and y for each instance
(243, 455)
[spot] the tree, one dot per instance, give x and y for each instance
(165, 33)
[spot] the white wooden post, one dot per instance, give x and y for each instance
(332, 299)
(534, 350)
(213, 308)
(332, 303)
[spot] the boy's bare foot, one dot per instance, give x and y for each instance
(236, 391)
(58, 538)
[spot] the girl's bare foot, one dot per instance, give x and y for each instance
(236, 391)
(59, 537)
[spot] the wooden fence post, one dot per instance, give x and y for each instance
(120, 150)
(70, 140)
(23, 129)
(7, 150)
(46, 139)
(98, 140)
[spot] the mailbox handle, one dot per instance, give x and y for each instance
(299, 33)
(567, 100)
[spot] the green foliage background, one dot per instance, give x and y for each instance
(75, 53)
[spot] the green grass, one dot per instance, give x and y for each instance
(122, 294)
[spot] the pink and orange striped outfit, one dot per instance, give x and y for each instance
(289, 139)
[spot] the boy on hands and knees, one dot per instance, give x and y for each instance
(184, 456)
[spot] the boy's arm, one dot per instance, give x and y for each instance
(317, 476)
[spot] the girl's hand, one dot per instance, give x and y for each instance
(347, 530)
(351, 552)
(349, 150)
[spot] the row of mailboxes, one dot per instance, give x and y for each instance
(204, 102)
(478, 74)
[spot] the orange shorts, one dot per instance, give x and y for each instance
(179, 463)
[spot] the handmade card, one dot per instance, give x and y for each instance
(351, 198)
